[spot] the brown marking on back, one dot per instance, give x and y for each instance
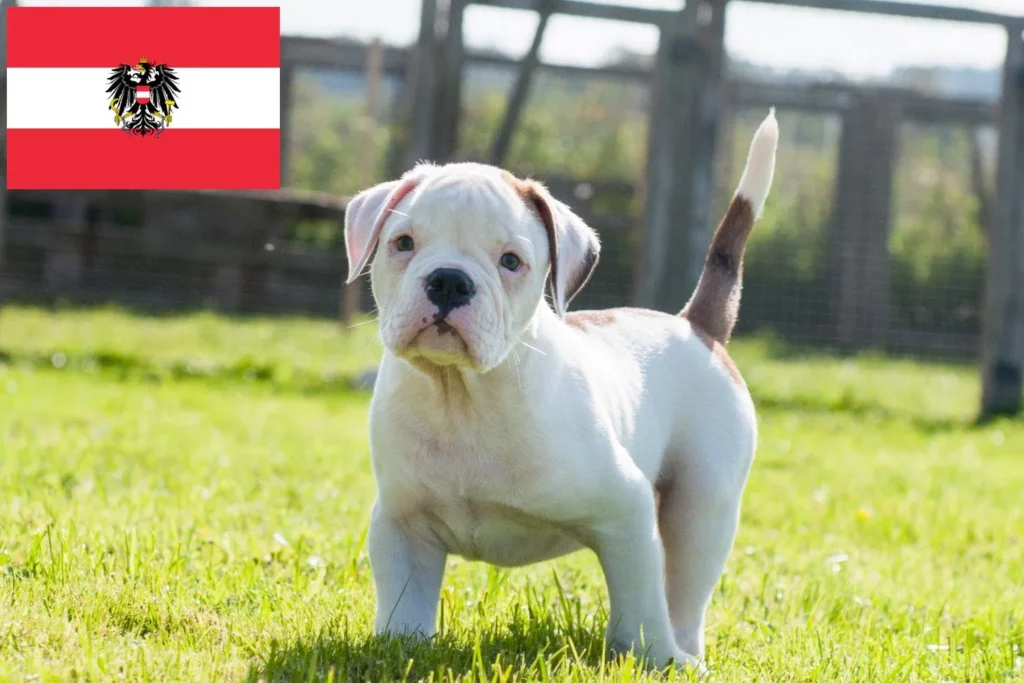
(583, 319)
(715, 304)
(718, 350)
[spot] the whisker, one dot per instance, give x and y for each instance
(515, 356)
(534, 348)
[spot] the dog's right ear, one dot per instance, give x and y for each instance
(366, 214)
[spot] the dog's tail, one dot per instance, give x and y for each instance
(715, 304)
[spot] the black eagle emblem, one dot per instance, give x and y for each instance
(142, 97)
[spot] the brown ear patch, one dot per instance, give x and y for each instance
(566, 235)
(532, 194)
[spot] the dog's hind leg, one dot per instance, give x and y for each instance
(697, 519)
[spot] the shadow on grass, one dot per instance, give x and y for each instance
(538, 650)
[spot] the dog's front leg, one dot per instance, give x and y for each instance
(631, 555)
(407, 573)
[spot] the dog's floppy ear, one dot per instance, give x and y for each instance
(573, 244)
(366, 214)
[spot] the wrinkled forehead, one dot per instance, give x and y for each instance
(469, 205)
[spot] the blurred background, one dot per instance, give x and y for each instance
(896, 208)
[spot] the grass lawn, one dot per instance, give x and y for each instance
(186, 498)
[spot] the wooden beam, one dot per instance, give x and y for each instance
(449, 86)
(839, 97)
(521, 87)
(352, 293)
(923, 109)
(338, 54)
(858, 246)
(641, 15)
(862, 221)
(687, 101)
(804, 97)
(824, 97)
(64, 265)
(594, 10)
(3, 140)
(287, 86)
(979, 187)
(617, 71)
(1003, 334)
(902, 9)
(421, 84)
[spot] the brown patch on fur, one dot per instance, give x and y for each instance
(581, 320)
(715, 304)
(533, 195)
(718, 350)
(536, 197)
(607, 316)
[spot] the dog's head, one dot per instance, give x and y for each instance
(463, 253)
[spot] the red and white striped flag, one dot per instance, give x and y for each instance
(143, 98)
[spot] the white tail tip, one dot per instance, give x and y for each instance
(757, 176)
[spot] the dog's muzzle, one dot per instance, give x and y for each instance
(448, 289)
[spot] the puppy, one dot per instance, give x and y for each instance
(505, 430)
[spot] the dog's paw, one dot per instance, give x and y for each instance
(695, 664)
(660, 657)
(680, 660)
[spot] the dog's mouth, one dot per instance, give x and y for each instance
(440, 342)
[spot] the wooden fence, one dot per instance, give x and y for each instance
(235, 251)
(241, 252)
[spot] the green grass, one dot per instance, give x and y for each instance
(186, 498)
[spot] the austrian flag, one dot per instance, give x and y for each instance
(161, 98)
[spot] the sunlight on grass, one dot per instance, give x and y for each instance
(157, 523)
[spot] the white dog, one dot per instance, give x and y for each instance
(505, 430)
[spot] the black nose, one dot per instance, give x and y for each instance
(449, 288)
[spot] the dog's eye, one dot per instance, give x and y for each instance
(404, 243)
(510, 261)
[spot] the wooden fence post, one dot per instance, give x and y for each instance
(421, 82)
(435, 79)
(859, 235)
(449, 86)
(1003, 334)
(64, 266)
(287, 92)
(352, 293)
(687, 100)
(3, 140)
